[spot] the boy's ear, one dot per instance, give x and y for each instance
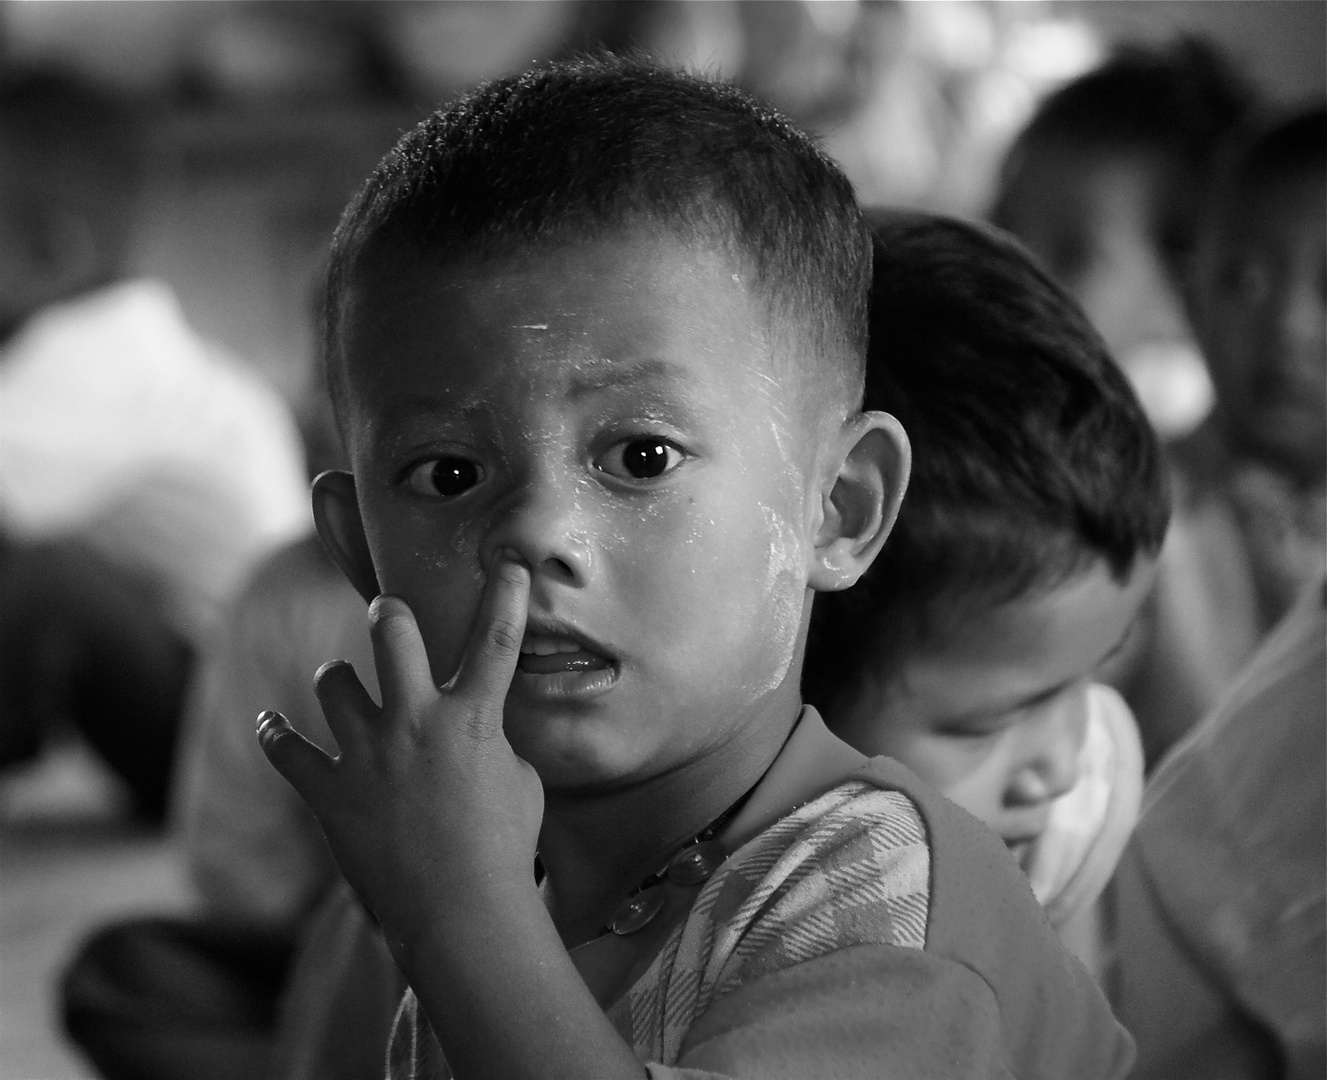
(336, 514)
(862, 501)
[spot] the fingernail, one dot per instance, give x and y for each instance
(381, 606)
(270, 724)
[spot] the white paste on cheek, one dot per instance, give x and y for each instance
(784, 595)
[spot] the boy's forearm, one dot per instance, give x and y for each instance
(505, 999)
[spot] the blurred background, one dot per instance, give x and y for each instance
(258, 120)
(264, 115)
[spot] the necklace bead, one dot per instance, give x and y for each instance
(696, 863)
(638, 910)
(693, 865)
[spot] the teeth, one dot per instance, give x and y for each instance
(548, 646)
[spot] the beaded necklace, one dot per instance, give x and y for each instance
(694, 863)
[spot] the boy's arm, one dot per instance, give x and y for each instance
(433, 819)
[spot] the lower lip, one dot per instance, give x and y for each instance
(583, 676)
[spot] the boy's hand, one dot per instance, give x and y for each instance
(427, 809)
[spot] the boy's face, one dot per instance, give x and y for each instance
(1264, 281)
(995, 715)
(610, 414)
(1091, 217)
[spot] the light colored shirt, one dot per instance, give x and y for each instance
(120, 427)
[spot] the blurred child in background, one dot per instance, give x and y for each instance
(973, 648)
(1259, 303)
(198, 995)
(1106, 185)
(1220, 900)
(142, 472)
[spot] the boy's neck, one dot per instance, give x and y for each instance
(597, 847)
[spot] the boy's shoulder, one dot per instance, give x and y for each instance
(880, 911)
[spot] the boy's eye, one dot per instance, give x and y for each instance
(970, 731)
(444, 477)
(640, 459)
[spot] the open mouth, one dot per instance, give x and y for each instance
(548, 655)
(560, 665)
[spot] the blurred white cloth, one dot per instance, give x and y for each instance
(120, 427)
(1072, 861)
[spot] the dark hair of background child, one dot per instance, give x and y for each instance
(1032, 457)
(569, 151)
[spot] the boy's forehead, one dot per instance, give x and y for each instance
(633, 309)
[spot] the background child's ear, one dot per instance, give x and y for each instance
(862, 500)
(336, 514)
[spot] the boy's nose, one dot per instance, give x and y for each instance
(1054, 745)
(540, 523)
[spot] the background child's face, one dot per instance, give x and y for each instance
(1264, 303)
(1093, 219)
(610, 413)
(995, 715)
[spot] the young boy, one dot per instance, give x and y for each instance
(595, 337)
(1106, 185)
(1020, 558)
(1103, 185)
(1260, 306)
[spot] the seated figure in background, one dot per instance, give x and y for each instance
(158, 998)
(1219, 901)
(1255, 471)
(142, 473)
(1106, 185)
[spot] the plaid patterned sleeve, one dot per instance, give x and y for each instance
(849, 868)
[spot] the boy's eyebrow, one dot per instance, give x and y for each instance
(606, 374)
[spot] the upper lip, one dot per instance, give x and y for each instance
(551, 627)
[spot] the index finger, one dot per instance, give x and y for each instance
(495, 641)
(405, 678)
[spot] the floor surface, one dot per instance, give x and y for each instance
(70, 859)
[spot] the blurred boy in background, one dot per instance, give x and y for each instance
(1259, 306)
(142, 474)
(160, 997)
(1106, 185)
(972, 648)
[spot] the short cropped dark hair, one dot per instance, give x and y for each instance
(1177, 102)
(575, 149)
(1032, 458)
